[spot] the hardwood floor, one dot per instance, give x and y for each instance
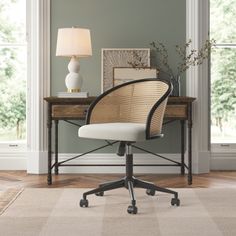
(20, 179)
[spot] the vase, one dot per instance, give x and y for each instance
(176, 86)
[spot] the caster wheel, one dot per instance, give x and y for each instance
(99, 194)
(150, 192)
(132, 210)
(83, 203)
(175, 201)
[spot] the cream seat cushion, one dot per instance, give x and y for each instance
(114, 131)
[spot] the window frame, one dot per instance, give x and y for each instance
(223, 147)
(14, 146)
(33, 157)
(205, 157)
(39, 86)
(197, 84)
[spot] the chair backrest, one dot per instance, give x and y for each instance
(139, 101)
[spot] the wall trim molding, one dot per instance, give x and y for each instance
(18, 161)
(38, 79)
(223, 161)
(13, 160)
(111, 158)
(197, 84)
(38, 167)
(37, 162)
(13, 163)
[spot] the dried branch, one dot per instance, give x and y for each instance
(187, 58)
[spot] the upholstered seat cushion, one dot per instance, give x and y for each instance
(114, 131)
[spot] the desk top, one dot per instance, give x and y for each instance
(88, 100)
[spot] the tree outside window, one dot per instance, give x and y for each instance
(223, 71)
(13, 57)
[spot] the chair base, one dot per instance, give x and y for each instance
(129, 182)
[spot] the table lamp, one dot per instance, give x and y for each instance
(74, 43)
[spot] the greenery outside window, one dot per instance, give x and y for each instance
(223, 73)
(13, 72)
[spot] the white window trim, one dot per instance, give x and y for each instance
(197, 85)
(38, 87)
(34, 159)
(204, 160)
(38, 84)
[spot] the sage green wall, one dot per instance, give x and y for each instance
(115, 24)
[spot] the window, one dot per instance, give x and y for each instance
(223, 73)
(13, 72)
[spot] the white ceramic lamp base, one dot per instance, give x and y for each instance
(74, 80)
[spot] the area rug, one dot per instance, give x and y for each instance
(7, 196)
(38, 211)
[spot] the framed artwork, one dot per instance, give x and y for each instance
(121, 57)
(126, 74)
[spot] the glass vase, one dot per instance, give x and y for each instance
(176, 86)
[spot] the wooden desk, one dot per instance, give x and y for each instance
(178, 108)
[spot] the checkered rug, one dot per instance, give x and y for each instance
(40, 211)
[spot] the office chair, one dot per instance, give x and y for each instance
(129, 113)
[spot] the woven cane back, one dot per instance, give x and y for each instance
(141, 101)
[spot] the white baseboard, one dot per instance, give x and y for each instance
(13, 161)
(201, 163)
(223, 161)
(36, 163)
(106, 158)
(33, 162)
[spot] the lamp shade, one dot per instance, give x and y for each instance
(73, 42)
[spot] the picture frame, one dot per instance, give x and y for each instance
(125, 74)
(121, 57)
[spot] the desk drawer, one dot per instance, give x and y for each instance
(178, 111)
(69, 111)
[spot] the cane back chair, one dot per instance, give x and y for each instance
(129, 113)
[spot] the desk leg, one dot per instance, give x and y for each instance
(56, 147)
(190, 144)
(49, 179)
(182, 122)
